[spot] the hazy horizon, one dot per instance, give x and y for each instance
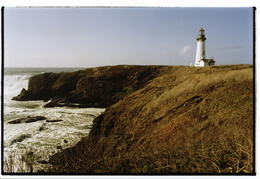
(92, 37)
(107, 65)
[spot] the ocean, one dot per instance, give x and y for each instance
(31, 144)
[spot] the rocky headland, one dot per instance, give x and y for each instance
(159, 119)
(92, 87)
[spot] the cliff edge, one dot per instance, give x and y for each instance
(92, 87)
(184, 120)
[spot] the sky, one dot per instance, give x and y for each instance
(90, 37)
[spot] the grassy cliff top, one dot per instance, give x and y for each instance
(187, 120)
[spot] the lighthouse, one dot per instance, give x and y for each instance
(201, 60)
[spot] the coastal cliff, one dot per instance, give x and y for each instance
(159, 119)
(186, 120)
(92, 87)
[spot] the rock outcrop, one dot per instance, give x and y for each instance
(55, 120)
(27, 119)
(93, 87)
(39, 88)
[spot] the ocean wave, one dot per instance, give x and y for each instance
(14, 84)
(71, 123)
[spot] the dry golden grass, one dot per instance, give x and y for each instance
(190, 120)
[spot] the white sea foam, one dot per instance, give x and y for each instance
(41, 136)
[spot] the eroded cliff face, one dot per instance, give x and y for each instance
(93, 87)
(189, 120)
(39, 88)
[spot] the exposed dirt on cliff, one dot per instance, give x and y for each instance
(189, 120)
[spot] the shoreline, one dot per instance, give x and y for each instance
(158, 124)
(26, 149)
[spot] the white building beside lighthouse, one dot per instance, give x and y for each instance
(201, 60)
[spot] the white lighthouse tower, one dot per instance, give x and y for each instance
(201, 60)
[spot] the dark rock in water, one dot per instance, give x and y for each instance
(55, 103)
(20, 138)
(41, 128)
(59, 147)
(50, 105)
(34, 119)
(27, 119)
(55, 120)
(40, 117)
(65, 141)
(21, 96)
(17, 121)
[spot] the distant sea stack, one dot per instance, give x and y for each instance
(92, 87)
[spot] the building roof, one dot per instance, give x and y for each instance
(208, 60)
